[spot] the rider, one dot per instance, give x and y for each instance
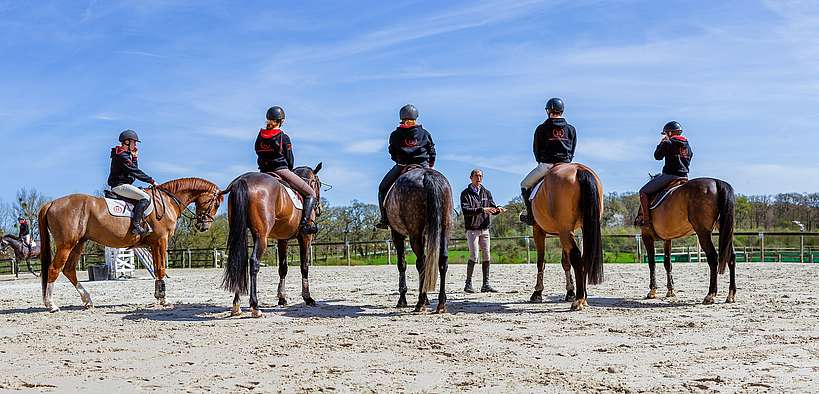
(275, 154)
(124, 170)
(410, 144)
(24, 235)
(554, 143)
(674, 149)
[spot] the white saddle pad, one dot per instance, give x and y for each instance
(535, 190)
(121, 208)
(293, 197)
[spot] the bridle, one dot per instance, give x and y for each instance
(315, 184)
(200, 217)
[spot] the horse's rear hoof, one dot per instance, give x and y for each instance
(236, 310)
(570, 296)
(732, 297)
(652, 294)
(441, 309)
(709, 299)
(53, 309)
(537, 297)
(670, 294)
(282, 302)
(309, 301)
(579, 305)
(255, 313)
(420, 309)
(402, 303)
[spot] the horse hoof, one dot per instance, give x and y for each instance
(282, 301)
(536, 297)
(670, 294)
(579, 305)
(570, 296)
(54, 309)
(732, 298)
(236, 310)
(402, 303)
(89, 306)
(709, 299)
(441, 309)
(255, 313)
(420, 309)
(309, 301)
(652, 294)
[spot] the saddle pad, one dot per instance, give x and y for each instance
(662, 196)
(535, 190)
(121, 208)
(293, 197)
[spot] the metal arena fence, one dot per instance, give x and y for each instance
(789, 247)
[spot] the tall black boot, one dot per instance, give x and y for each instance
(527, 218)
(470, 267)
(137, 218)
(486, 288)
(383, 222)
(304, 226)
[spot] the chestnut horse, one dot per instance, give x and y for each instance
(419, 206)
(77, 218)
(21, 252)
(260, 203)
(695, 207)
(570, 197)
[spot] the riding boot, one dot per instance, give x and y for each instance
(527, 218)
(486, 288)
(645, 212)
(470, 267)
(137, 218)
(304, 226)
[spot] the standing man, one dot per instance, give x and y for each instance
(477, 206)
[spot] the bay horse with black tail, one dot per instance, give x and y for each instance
(570, 198)
(419, 207)
(260, 203)
(698, 207)
(77, 218)
(22, 252)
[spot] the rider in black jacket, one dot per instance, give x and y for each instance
(410, 144)
(124, 171)
(677, 153)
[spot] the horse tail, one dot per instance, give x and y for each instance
(726, 201)
(434, 230)
(592, 238)
(235, 278)
(45, 245)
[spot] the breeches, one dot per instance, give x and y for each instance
(478, 240)
(536, 175)
(296, 182)
(130, 191)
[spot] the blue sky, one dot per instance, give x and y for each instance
(195, 78)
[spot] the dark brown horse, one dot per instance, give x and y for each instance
(696, 207)
(419, 206)
(74, 219)
(22, 252)
(571, 197)
(260, 203)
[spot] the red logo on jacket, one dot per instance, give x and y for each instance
(410, 143)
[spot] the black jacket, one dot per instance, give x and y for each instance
(412, 145)
(24, 230)
(555, 140)
(472, 205)
(125, 169)
(274, 150)
(677, 154)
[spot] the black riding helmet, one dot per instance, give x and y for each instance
(128, 135)
(555, 105)
(275, 113)
(672, 126)
(408, 112)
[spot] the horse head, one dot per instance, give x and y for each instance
(207, 204)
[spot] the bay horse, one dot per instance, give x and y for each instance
(571, 197)
(21, 252)
(259, 202)
(419, 207)
(698, 206)
(77, 218)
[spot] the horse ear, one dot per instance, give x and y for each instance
(318, 168)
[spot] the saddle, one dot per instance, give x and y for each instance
(296, 198)
(658, 198)
(120, 206)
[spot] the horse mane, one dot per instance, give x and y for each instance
(194, 184)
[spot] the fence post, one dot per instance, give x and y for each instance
(347, 251)
(190, 259)
(762, 246)
(528, 248)
(389, 253)
(802, 248)
(639, 239)
(215, 257)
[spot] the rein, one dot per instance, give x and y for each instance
(182, 208)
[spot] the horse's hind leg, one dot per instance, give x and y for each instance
(540, 250)
(732, 287)
(281, 246)
(567, 273)
(259, 246)
(648, 242)
(236, 310)
(443, 264)
(711, 254)
(400, 253)
(669, 281)
(304, 259)
(70, 272)
(57, 264)
(420, 260)
(570, 247)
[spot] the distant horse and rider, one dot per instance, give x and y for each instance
(21, 251)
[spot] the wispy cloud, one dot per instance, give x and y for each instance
(142, 53)
(366, 146)
(105, 116)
